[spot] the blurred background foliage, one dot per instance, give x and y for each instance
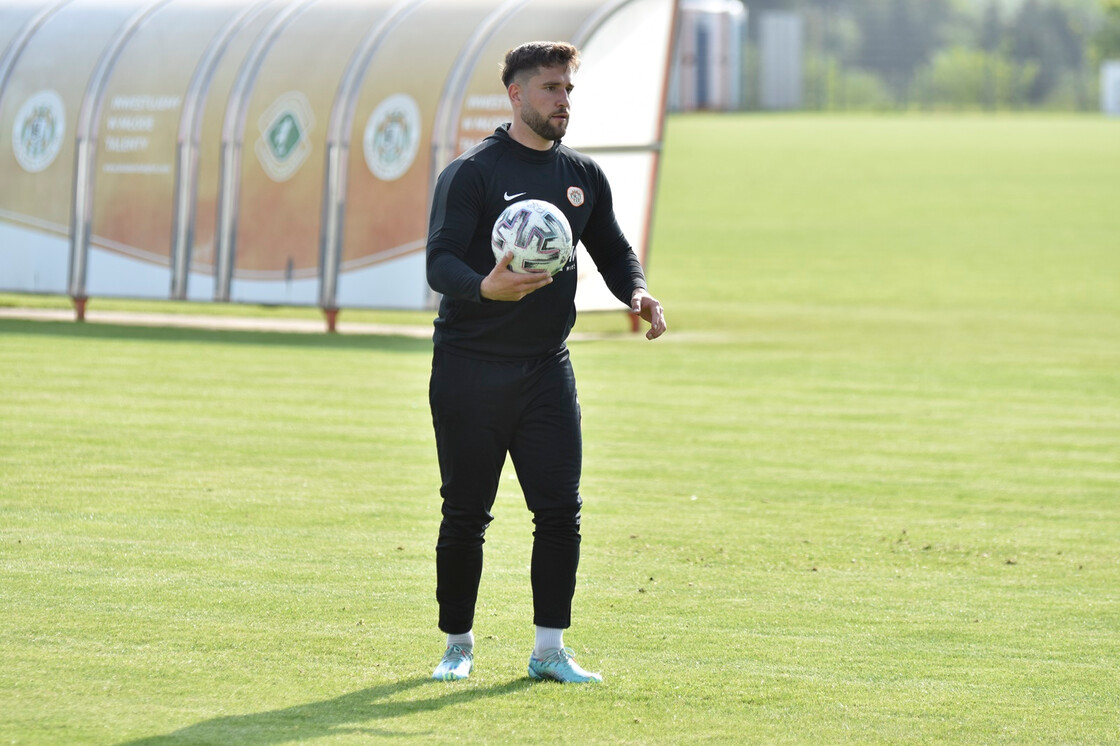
(948, 54)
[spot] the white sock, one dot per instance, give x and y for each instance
(465, 640)
(548, 639)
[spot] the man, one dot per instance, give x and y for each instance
(501, 378)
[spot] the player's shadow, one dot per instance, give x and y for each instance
(352, 714)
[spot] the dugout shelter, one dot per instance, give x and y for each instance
(285, 151)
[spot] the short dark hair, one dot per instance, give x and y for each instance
(533, 55)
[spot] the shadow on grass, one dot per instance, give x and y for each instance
(67, 329)
(350, 714)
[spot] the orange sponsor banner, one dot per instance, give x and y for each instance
(313, 131)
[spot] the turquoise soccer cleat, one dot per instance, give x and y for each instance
(457, 663)
(560, 666)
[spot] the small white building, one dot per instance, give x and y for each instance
(1110, 87)
(781, 51)
(708, 63)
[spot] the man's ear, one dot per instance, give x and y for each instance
(514, 91)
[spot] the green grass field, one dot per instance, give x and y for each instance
(866, 490)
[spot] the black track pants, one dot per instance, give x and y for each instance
(482, 410)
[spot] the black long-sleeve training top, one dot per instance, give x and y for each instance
(470, 194)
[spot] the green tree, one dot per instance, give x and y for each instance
(898, 37)
(991, 40)
(1045, 35)
(1106, 43)
(966, 78)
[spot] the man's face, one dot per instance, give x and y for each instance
(545, 102)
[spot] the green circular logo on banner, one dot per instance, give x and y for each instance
(38, 131)
(392, 137)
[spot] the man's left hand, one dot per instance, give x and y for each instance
(646, 306)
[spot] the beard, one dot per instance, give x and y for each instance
(543, 125)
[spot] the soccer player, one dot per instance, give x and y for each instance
(501, 378)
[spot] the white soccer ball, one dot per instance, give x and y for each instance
(537, 233)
